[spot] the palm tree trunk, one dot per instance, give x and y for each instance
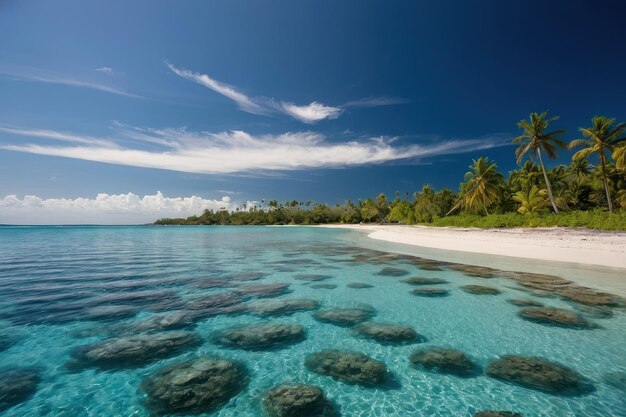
(604, 181)
(548, 186)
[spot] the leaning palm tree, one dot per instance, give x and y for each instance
(481, 187)
(603, 136)
(534, 139)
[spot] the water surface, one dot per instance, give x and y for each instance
(62, 288)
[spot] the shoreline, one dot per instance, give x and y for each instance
(594, 259)
(582, 246)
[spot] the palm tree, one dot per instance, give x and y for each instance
(601, 137)
(535, 139)
(369, 210)
(580, 169)
(425, 207)
(531, 201)
(524, 178)
(619, 156)
(481, 187)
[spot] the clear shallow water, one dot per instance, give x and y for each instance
(58, 286)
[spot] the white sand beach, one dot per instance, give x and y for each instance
(583, 246)
(584, 253)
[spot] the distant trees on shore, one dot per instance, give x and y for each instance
(532, 189)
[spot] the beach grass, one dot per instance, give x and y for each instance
(596, 219)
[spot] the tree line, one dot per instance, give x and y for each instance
(532, 189)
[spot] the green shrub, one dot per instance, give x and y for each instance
(595, 219)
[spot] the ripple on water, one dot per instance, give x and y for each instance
(114, 299)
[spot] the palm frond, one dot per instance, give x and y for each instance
(579, 142)
(583, 153)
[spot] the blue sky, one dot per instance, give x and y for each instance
(242, 101)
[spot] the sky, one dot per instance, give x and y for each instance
(124, 112)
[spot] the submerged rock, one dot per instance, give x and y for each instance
(554, 317)
(542, 282)
(114, 312)
(282, 307)
(246, 276)
(359, 285)
(217, 304)
(597, 312)
(345, 317)
(389, 333)
(298, 400)
(444, 360)
(539, 374)
(324, 286)
(475, 270)
(589, 296)
(174, 320)
(551, 285)
(264, 290)
(392, 272)
(17, 385)
(131, 351)
(312, 277)
(348, 366)
(431, 292)
(149, 299)
(480, 290)
(525, 303)
(214, 282)
(428, 264)
(424, 281)
(261, 336)
(491, 413)
(195, 386)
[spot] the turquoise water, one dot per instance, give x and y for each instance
(66, 287)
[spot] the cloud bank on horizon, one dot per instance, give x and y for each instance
(178, 149)
(105, 208)
(308, 113)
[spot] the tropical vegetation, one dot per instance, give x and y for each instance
(590, 191)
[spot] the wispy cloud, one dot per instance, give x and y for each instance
(235, 151)
(307, 113)
(105, 208)
(312, 112)
(55, 135)
(244, 102)
(105, 70)
(35, 75)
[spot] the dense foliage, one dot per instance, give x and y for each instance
(578, 194)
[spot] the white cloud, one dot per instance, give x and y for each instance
(35, 75)
(104, 209)
(105, 70)
(311, 113)
(54, 135)
(236, 151)
(244, 102)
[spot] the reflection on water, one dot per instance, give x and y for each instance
(270, 321)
